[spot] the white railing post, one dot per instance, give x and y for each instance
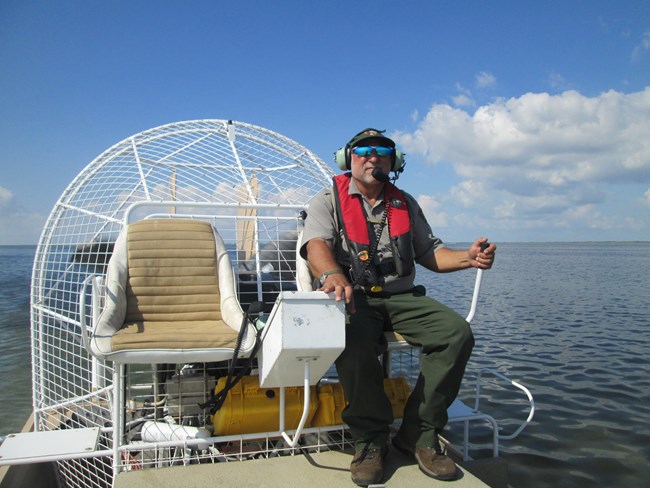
(305, 410)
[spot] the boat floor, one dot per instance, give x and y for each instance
(314, 470)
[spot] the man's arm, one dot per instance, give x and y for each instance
(446, 260)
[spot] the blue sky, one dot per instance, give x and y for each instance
(521, 120)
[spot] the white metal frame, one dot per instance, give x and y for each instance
(305, 410)
(254, 173)
(460, 412)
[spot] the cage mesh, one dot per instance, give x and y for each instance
(251, 183)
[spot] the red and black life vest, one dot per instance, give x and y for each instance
(359, 233)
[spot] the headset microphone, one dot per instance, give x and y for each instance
(379, 175)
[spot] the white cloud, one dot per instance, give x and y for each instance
(20, 227)
(465, 192)
(586, 214)
(542, 159)
(432, 211)
(484, 79)
(556, 139)
(16, 225)
(462, 100)
(557, 81)
(464, 97)
(5, 195)
(641, 48)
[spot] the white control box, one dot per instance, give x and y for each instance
(303, 326)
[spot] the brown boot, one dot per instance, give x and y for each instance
(367, 466)
(432, 460)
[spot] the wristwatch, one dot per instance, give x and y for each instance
(324, 276)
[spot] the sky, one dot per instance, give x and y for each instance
(522, 121)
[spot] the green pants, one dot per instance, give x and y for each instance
(446, 341)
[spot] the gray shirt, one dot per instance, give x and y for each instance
(322, 223)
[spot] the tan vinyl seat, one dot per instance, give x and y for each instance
(170, 297)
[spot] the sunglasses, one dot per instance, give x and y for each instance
(365, 151)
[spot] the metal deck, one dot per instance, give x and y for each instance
(318, 470)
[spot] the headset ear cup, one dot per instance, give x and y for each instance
(398, 163)
(341, 159)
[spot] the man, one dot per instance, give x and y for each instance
(375, 277)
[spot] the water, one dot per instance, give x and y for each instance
(15, 362)
(571, 321)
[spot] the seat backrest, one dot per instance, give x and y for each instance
(304, 279)
(173, 271)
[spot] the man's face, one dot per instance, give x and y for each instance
(362, 166)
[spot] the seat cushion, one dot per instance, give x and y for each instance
(197, 334)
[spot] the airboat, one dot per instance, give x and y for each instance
(191, 228)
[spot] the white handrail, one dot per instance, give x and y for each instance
(221, 205)
(82, 314)
(477, 290)
(531, 401)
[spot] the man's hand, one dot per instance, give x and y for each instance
(480, 256)
(321, 259)
(342, 289)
